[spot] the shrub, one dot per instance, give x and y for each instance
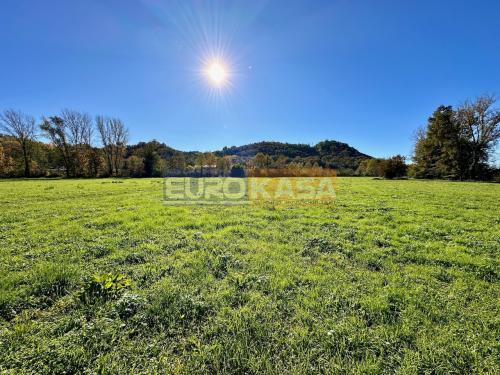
(394, 167)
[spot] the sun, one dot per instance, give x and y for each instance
(217, 73)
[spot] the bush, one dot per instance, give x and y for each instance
(394, 167)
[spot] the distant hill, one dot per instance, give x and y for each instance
(293, 150)
(328, 153)
(270, 148)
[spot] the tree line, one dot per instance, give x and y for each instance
(457, 143)
(71, 149)
(80, 145)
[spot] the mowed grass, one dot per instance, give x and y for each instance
(393, 277)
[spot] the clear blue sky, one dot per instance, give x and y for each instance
(359, 71)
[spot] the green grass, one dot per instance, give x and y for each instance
(393, 277)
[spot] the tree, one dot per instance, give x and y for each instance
(151, 160)
(3, 161)
(436, 152)
(211, 162)
(394, 167)
(113, 135)
(200, 160)
(78, 127)
(135, 166)
(237, 170)
(373, 168)
(7, 163)
(457, 144)
(370, 167)
(224, 165)
(22, 128)
(177, 163)
(105, 137)
(262, 160)
(479, 125)
(389, 168)
(281, 162)
(94, 161)
(55, 128)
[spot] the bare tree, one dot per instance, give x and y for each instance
(119, 137)
(105, 137)
(114, 136)
(479, 124)
(22, 128)
(78, 127)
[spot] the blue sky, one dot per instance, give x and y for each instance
(359, 71)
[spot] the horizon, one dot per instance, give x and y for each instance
(360, 73)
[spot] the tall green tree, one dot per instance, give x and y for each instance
(437, 148)
(151, 160)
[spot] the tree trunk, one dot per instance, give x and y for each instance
(27, 171)
(109, 157)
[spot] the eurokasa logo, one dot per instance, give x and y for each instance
(260, 185)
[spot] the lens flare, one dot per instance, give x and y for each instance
(217, 73)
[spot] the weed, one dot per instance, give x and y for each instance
(104, 286)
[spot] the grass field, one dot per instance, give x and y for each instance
(393, 277)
